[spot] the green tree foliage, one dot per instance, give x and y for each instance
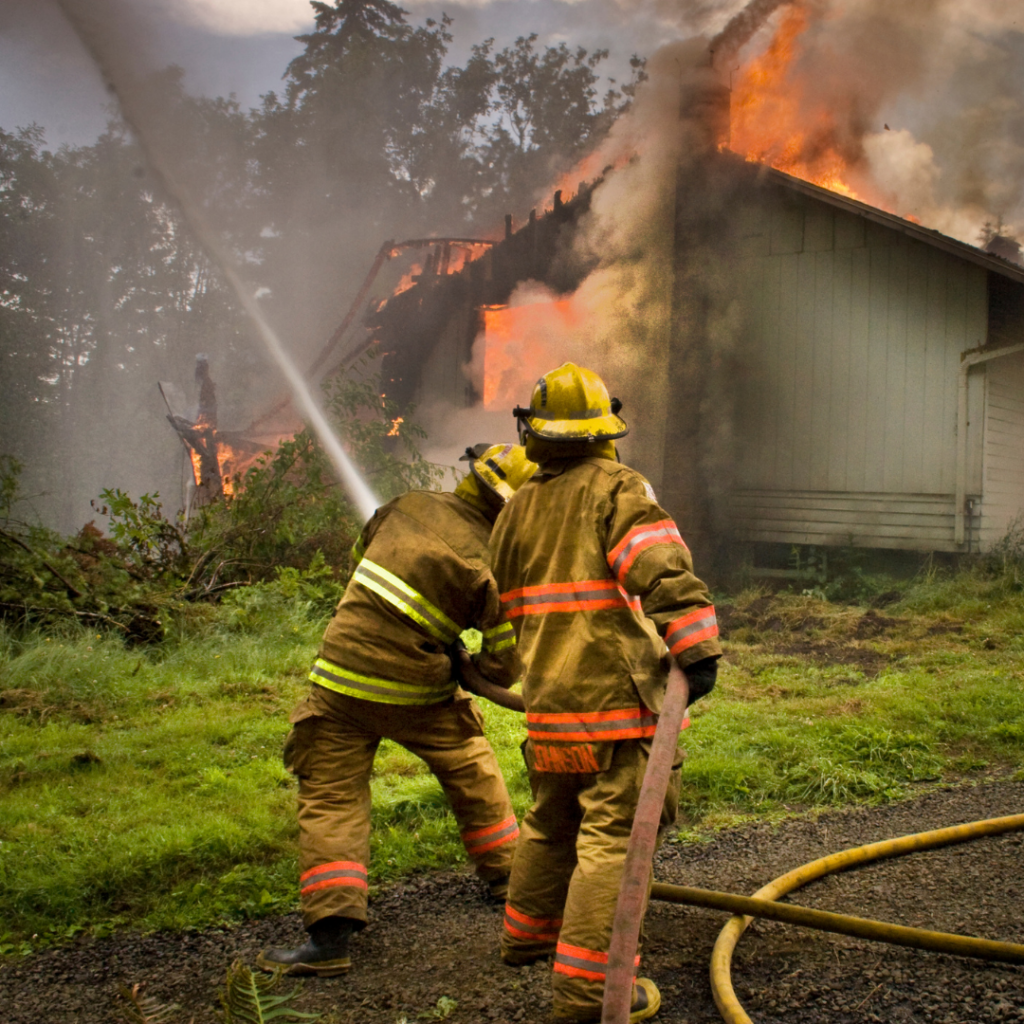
(103, 291)
(546, 114)
(102, 295)
(289, 525)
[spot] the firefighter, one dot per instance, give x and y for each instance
(600, 586)
(385, 669)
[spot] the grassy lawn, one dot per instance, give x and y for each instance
(144, 787)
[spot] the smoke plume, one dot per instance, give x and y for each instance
(914, 107)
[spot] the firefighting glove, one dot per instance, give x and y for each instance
(701, 676)
(453, 650)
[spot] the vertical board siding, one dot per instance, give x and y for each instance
(821, 368)
(803, 397)
(914, 406)
(940, 376)
(854, 439)
(786, 349)
(857, 353)
(772, 386)
(840, 390)
(748, 414)
(443, 375)
(977, 385)
(877, 299)
(1003, 492)
(896, 391)
(854, 335)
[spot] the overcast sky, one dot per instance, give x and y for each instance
(243, 46)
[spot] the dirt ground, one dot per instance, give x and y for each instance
(438, 936)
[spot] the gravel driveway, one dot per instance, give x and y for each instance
(438, 937)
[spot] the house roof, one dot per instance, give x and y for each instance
(890, 220)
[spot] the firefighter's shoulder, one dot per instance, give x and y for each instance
(624, 477)
(451, 521)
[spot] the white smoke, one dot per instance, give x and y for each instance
(244, 17)
(925, 102)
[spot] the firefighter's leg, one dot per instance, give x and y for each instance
(608, 805)
(545, 859)
(332, 754)
(450, 738)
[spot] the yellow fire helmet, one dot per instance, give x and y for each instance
(501, 468)
(571, 404)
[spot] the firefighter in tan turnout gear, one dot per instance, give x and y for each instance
(385, 670)
(583, 554)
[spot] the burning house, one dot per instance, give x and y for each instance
(807, 369)
(213, 457)
(880, 398)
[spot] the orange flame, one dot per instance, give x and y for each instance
(463, 254)
(775, 121)
(396, 426)
(408, 279)
(459, 254)
(231, 461)
(588, 170)
(520, 345)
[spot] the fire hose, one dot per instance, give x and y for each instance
(643, 840)
(629, 909)
(721, 982)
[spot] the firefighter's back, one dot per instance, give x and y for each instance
(415, 588)
(580, 637)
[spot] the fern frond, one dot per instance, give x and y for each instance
(138, 1008)
(247, 998)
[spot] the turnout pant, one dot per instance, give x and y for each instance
(331, 748)
(568, 870)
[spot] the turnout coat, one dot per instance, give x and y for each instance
(598, 583)
(422, 577)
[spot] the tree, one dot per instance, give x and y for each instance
(103, 291)
(103, 294)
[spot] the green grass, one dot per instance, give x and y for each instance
(144, 788)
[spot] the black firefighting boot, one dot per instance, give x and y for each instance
(325, 952)
(497, 888)
(646, 1005)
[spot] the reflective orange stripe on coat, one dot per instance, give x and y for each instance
(622, 556)
(480, 840)
(533, 929)
(691, 629)
(339, 872)
(578, 962)
(581, 596)
(621, 724)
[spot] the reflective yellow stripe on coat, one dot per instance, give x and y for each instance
(498, 638)
(384, 691)
(407, 600)
(358, 551)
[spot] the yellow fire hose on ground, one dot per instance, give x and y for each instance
(721, 981)
(632, 893)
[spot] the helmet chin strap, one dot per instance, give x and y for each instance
(543, 449)
(521, 428)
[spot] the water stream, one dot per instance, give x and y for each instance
(99, 39)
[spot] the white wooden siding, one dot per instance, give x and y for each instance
(852, 346)
(913, 522)
(1003, 495)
